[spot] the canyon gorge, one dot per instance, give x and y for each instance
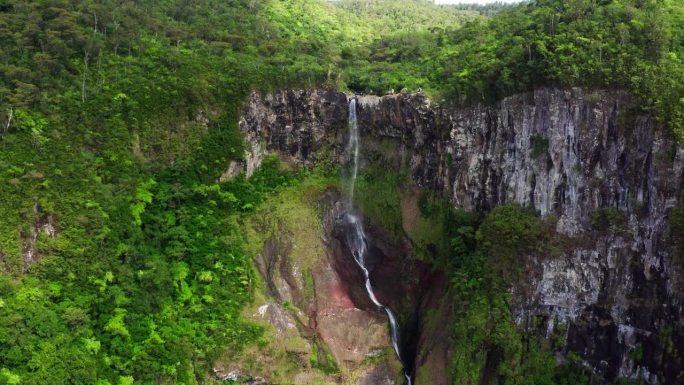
(572, 155)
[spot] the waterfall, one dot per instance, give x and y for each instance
(356, 236)
(353, 148)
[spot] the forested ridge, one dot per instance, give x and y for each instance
(121, 252)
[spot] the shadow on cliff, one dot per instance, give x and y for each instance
(400, 281)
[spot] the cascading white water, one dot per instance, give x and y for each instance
(356, 236)
(353, 148)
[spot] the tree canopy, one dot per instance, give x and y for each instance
(117, 119)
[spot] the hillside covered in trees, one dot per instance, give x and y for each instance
(122, 259)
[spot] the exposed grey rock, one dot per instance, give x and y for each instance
(277, 317)
(237, 376)
(43, 225)
(566, 153)
(234, 169)
(233, 375)
(294, 123)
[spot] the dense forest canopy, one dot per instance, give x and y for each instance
(116, 119)
(366, 46)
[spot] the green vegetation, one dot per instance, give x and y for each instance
(378, 195)
(483, 260)
(290, 221)
(154, 302)
(637, 354)
(632, 44)
(485, 9)
(148, 56)
(123, 259)
(323, 360)
(511, 232)
(426, 231)
(676, 235)
(608, 219)
(485, 257)
(540, 146)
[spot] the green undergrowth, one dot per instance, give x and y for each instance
(427, 226)
(510, 233)
(483, 265)
(122, 257)
(676, 236)
(142, 284)
(378, 195)
(290, 222)
(608, 219)
(392, 202)
(484, 258)
(637, 45)
(287, 208)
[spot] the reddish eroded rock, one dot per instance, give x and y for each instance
(339, 295)
(348, 322)
(350, 332)
(378, 375)
(308, 305)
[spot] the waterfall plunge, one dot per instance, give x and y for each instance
(356, 236)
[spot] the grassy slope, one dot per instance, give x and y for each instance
(284, 357)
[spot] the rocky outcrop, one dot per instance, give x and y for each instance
(603, 170)
(43, 225)
(318, 326)
(297, 124)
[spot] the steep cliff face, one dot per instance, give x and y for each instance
(603, 171)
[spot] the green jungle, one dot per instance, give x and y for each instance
(125, 258)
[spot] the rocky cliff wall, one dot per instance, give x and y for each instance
(578, 155)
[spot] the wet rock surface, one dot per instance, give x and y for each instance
(399, 280)
(568, 153)
(316, 332)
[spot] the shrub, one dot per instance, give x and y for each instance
(676, 221)
(509, 233)
(608, 219)
(540, 146)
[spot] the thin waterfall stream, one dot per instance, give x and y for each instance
(356, 236)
